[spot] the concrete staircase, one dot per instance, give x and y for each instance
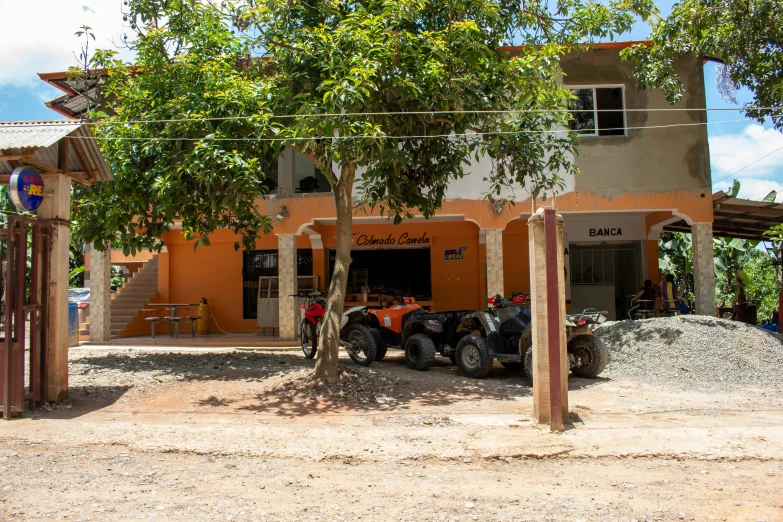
(134, 295)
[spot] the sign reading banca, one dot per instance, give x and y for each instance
(605, 227)
(26, 188)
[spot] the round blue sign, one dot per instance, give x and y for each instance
(26, 188)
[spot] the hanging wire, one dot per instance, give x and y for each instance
(360, 114)
(211, 137)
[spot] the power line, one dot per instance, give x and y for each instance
(748, 165)
(389, 113)
(383, 136)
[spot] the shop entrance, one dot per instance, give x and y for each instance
(388, 271)
(604, 275)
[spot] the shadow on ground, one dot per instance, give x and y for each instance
(256, 382)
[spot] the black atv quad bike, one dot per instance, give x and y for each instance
(505, 333)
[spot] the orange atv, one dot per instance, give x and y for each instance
(407, 325)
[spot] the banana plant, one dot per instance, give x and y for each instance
(675, 256)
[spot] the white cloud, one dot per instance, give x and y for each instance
(38, 35)
(731, 152)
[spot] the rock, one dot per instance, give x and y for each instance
(693, 352)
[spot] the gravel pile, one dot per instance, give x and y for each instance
(355, 386)
(694, 352)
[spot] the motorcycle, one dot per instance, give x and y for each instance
(310, 328)
(357, 339)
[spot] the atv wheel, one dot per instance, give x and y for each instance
(419, 352)
(473, 356)
(308, 338)
(528, 364)
(591, 354)
(380, 346)
(512, 366)
(363, 343)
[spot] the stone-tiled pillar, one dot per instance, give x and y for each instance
(286, 273)
(703, 268)
(57, 206)
(100, 295)
(538, 308)
(494, 246)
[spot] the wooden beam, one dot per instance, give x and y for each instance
(761, 211)
(43, 167)
(15, 157)
(77, 146)
(62, 156)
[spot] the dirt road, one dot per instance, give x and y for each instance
(236, 436)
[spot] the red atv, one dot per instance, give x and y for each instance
(406, 325)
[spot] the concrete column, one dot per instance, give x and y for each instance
(57, 206)
(286, 273)
(494, 246)
(538, 305)
(703, 268)
(100, 295)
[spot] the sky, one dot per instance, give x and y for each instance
(51, 46)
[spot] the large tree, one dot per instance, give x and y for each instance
(744, 36)
(390, 99)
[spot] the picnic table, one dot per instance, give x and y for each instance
(173, 319)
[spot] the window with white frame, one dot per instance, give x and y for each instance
(598, 111)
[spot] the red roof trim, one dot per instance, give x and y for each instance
(59, 110)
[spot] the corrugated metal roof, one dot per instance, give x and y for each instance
(33, 134)
(36, 142)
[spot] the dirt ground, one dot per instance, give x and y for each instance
(237, 435)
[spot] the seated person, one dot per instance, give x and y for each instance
(669, 298)
(644, 300)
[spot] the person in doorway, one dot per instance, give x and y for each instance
(643, 303)
(669, 298)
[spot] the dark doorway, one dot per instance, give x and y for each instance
(399, 271)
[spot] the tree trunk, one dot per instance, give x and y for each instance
(329, 342)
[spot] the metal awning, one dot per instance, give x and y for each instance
(738, 218)
(52, 146)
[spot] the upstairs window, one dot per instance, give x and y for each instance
(598, 111)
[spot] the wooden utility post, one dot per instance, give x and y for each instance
(550, 360)
(57, 208)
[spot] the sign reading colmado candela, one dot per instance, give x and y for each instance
(360, 239)
(26, 187)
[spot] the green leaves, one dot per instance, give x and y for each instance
(424, 87)
(182, 173)
(744, 35)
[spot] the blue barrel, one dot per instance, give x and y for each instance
(73, 324)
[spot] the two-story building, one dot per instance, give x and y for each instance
(642, 166)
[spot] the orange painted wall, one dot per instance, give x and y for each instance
(214, 272)
(516, 262)
(456, 285)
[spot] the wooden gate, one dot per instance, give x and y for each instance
(24, 253)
